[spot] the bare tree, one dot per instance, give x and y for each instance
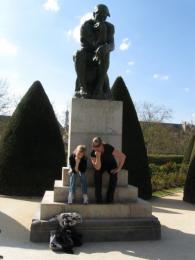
(150, 112)
(159, 138)
(4, 97)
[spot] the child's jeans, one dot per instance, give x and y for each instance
(83, 181)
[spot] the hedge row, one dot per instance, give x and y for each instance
(160, 159)
(167, 176)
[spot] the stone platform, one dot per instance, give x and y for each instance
(129, 217)
(122, 194)
(122, 178)
(50, 208)
(98, 230)
(90, 117)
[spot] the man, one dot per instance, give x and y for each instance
(92, 61)
(104, 157)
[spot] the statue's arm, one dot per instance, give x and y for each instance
(109, 45)
(87, 37)
(110, 40)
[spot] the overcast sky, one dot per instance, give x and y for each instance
(155, 42)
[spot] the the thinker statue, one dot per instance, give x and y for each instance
(92, 61)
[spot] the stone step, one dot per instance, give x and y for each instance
(122, 178)
(140, 208)
(102, 230)
(122, 194)
(125, 229)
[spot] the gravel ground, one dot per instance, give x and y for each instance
(178, 234)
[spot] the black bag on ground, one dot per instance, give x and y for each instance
(66, 237)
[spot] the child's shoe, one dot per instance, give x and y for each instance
(70, 198)
(85, 199)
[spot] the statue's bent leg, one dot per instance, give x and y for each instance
(80, 67)
(106, 88)
(101, 74)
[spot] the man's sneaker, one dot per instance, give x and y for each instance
(85, 199)
(70, 198)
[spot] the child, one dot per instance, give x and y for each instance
(78, 165)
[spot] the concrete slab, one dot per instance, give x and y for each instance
(90, 117)
(122, 178)
(122, 194)
(98, 230)
(140, 208)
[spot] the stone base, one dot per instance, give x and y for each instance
(129, 218)
(90, 118)
(139, 208)
(104, 230)
(122, 194)
(122, 178)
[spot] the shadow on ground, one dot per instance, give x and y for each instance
(167, 202)
(14, 234)
(29, 198)
(160, 210)
(173, 245)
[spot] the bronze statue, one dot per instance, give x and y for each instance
(92, 61)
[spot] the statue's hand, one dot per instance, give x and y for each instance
(101, 50)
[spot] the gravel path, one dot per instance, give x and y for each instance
(178, 234)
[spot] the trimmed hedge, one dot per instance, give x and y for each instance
(189, 188)
(167, 176)
(31, 150)
(188, 152)
(160, 159)
(133, 142)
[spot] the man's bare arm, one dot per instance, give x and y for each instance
(96, 161)
(120, 157)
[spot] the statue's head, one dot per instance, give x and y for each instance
(101, 12)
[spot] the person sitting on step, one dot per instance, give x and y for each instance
(78, 166)
(105, 157)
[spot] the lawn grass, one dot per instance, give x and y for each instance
(166, 192)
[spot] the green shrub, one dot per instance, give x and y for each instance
(184, 168)
(166, 176)
(31, 150)
(163, 158)
(133, 142)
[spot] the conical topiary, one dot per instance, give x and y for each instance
(188, 151)
(188, 154)
(31, 150)
(189, 187)
(133, 142)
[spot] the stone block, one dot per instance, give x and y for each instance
(103, 230)
(122, 194)
(90, 117)
(122, 178)
(140, 208)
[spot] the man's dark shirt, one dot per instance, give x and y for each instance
(82, 165)
(108, 161)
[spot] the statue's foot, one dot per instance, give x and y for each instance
(98, 94)
(77, 95)
(81, 93)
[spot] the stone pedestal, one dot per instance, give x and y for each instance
(90, 118)
(129, 217)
